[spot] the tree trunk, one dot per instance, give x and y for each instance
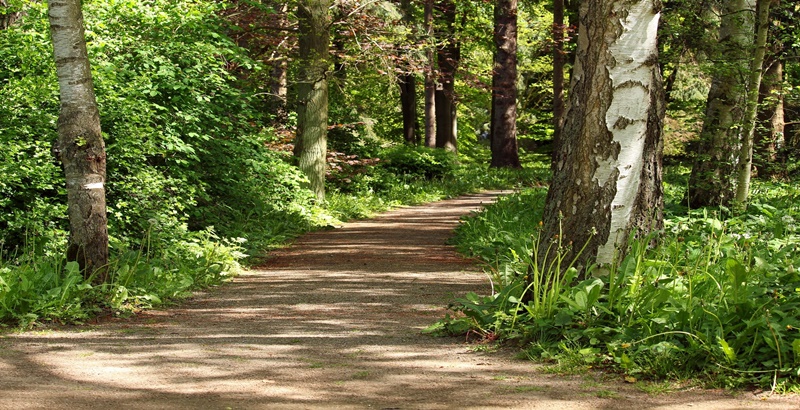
(769, 134)
(408, 87)
(607, 174)
(449, 55)
(753, 84)
(711, 180)
(278, 79)
(430, 80)
(408, 105)
(559, 60)
(504, 86)
(312, 92)
(80, 144)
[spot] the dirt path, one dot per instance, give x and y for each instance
(331, 322)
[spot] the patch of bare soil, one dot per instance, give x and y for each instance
(333, 321)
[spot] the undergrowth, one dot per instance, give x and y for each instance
(716, 301)
(38, 286)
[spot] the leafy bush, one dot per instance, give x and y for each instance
(419, 162)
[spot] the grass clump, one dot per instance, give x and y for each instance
(717, 300)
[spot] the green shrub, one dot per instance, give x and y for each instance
(421, 162)
(718, 297)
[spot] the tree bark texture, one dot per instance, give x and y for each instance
(711, 182)
(80, 144)
(430, 79)
(448, 57)
(607, 171)
(312, 92)
(745, 162)
(504, 87)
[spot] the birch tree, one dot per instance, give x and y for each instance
(607, 170)
(80, 146)
(312, 92)
(713, 174)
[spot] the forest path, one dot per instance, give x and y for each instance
(331, 322)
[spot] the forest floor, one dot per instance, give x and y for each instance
(333, 321)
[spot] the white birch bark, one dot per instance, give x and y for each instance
(627, 117)
(607, 164)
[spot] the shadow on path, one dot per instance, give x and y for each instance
(331, 322)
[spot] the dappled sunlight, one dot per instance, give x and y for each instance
(332, 322)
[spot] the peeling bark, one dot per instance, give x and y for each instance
(607, 171)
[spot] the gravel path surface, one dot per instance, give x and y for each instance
(331, 322)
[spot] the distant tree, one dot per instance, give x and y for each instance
(407, 81)
(713, 174)
(312, 92)
(503, 130)
(448, 58)
(430, 79)
(607, 170)
(80, 144)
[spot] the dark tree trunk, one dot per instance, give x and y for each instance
(430, 80)
(607, 174)
(80, 145)
(504, 87)
(312, 89)
(408, 105)
(408, 88)
(448, 58)
(278, 79)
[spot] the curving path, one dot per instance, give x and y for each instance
(331, 322)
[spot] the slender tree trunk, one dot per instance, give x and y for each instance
(753, 84)
(80, 144)
(769, 134)
(312, 90)
(278, 79)
(430, 79)
(449, 55)
(504, 86)
(607, 175)
(712, 179)
(408, 88)
(559, 60)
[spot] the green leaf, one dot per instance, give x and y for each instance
(730, 354)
